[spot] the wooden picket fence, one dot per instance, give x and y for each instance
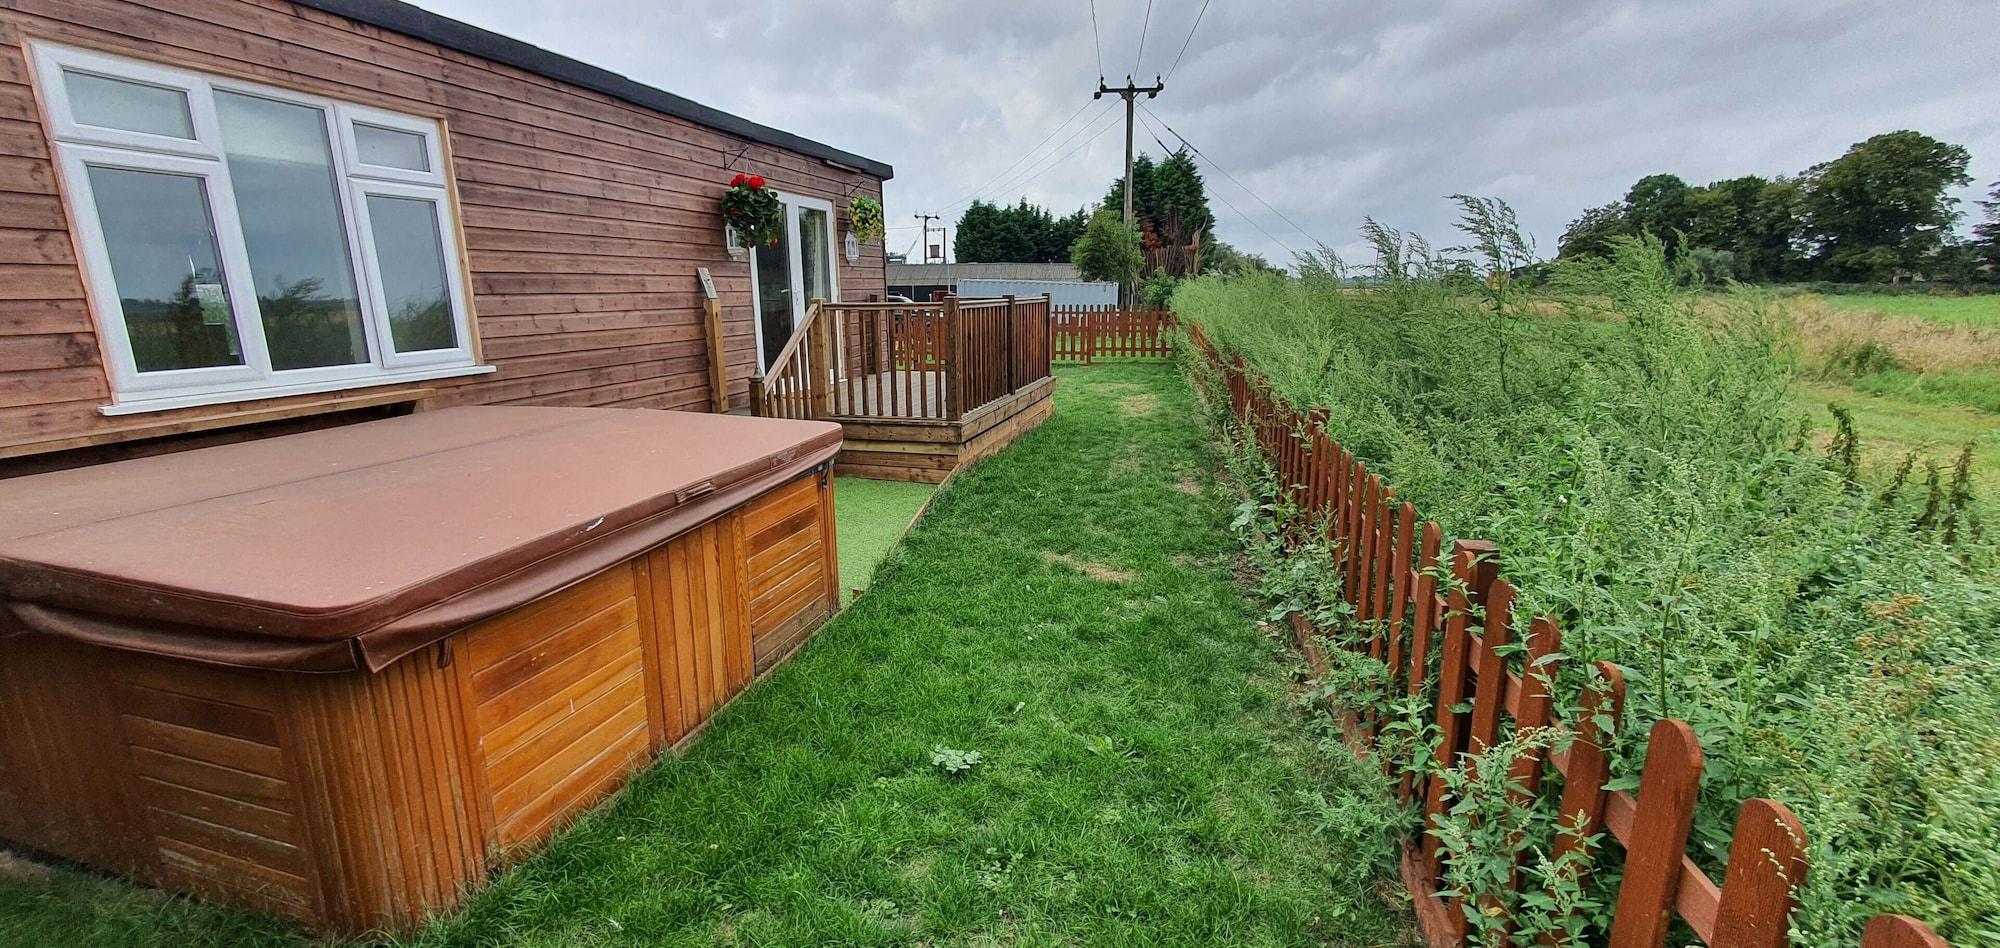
(1472, 680)
(1088, 333)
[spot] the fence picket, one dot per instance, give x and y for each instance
(1899, 931)
(1766, 861)
(1653, 854)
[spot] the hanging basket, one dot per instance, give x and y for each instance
(864, 219)
(751, 214)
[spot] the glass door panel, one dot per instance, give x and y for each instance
(775, 298)
(815, 249)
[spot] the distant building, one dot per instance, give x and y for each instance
(920, 281)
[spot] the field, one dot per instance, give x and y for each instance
(1647, 460)
(1919, 373)
(1978, 311)
(1068, 611)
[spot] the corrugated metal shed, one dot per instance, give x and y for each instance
(946, 274)
(1061, 292)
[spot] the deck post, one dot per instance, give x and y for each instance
(819, 347)
(954, 360)
(757, 395)
(1008, 361)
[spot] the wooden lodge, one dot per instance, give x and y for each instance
(335, 568)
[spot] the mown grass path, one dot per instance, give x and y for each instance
(1067, 610)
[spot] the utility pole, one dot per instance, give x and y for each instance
(1129, 92)
(926, 218)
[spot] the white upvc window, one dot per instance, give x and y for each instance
(246, 242)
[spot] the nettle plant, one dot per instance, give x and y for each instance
(752, 211)
(1635, 450)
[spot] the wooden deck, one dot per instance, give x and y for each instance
(929, 449)
(919, 389)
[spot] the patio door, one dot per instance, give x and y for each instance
(789, 274)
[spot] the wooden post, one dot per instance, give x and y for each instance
(718, 372)
(1049, 319)
(711, 323)
(954, 360)
(825, 373)
(819, 398)
(1007, 362)
(757, 395)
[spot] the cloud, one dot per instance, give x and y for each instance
(1332, 112)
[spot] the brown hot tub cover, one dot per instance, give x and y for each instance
(355, 546)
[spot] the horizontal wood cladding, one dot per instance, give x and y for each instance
(217, 802)
(559, 702)
(584, 217)
(791, 579)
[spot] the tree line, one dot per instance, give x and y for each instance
(1881, 212)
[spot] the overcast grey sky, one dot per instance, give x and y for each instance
(1331, 111)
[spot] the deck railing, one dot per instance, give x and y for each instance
(906, 361)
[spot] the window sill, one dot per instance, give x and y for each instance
(145, 405)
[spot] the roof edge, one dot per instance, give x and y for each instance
(411, 20)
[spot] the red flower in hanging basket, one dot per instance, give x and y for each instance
(774, 241)
(752, 212)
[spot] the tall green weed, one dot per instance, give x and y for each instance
(1637, 460)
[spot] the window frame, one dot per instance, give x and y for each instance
(373, 290)
(79, 147)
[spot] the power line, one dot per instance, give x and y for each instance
(1092, 140)
(1190, 39)
(1094, 41)
(1136, 60)
(1232, 178)
(1024, 156)
(1247, 219)
(996, 187)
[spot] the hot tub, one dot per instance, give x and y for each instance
(343, 674)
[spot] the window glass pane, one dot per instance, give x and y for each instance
(168, 271)
(391, 148)
(132, 106)
(813, 251)
(411, 258)
(281, 171)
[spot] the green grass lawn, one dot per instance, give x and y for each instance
(1982, 310)
(869, 516)
(1068, 610)
(1892, 425)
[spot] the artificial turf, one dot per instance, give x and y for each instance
(869, 515)
(1067, 610)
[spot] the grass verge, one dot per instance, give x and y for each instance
(1068, 611)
